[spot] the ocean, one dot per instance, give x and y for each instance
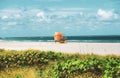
(84, 39)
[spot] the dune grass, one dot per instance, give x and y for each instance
(40, 64)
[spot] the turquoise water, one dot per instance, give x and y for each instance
(91, 39)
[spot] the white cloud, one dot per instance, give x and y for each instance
(10, 11)
(40, 14)
(106, 14)
(41, 17)
(81, 13)
(12, 23)
(67, 27)
(4, 17)
(4, 28)
(17, 15)
(73, 9)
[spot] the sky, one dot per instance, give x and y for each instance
(20, 18)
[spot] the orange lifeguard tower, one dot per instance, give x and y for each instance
(58, 37)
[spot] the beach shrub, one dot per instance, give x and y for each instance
(58, 65)
(21, 59)
(19, 76)
(54, 56)
(112, 67)
(109, 67)
(1, 50)
(27, 57)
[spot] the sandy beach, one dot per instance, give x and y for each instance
(70, 47)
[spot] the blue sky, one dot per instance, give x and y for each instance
(72, 17)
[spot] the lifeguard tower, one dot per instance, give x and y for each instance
(58, 37)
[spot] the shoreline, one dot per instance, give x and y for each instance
(69, 47)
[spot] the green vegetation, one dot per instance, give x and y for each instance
(40, 64)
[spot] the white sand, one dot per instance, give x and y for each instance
(84, 48)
